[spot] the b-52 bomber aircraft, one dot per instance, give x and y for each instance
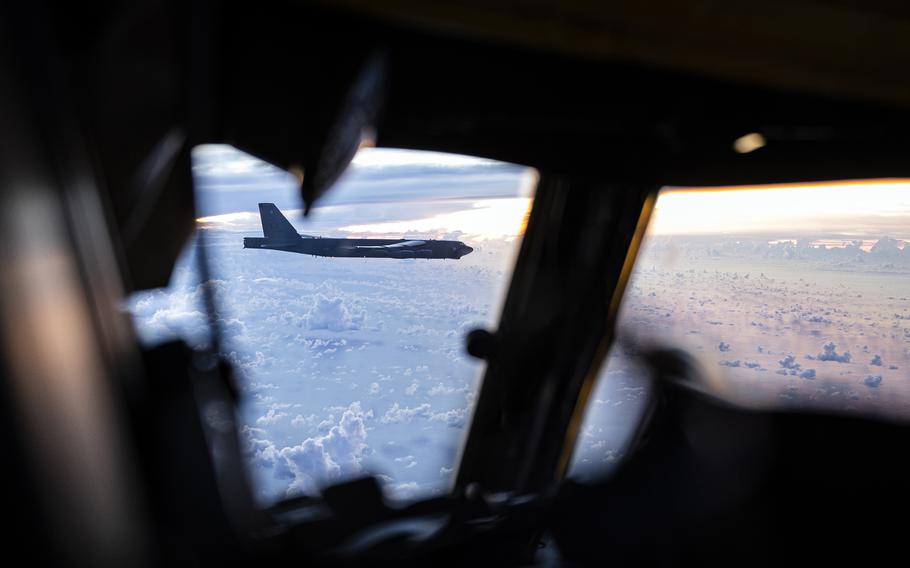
(279, 234)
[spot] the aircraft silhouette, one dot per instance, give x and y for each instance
(279, 234)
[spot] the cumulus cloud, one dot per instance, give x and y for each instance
(416, 329)
(231, 327)
(789, 362)
(441, 389)
(300, 420)
(258, 449)
(318, 460)
(872, 381)
(176, 321)
(403, 491)
(334, 315)
(829, 353)
(877, 361)
(254, 386)
(723, 347)
(249, 361)
(271, 417)
(408, 461)
(322, 459)
(397, 414)
(453, 418)
(163, 315)
(807, 374)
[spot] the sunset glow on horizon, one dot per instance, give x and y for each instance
(876, 207)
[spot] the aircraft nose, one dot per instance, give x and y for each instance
(465, 249)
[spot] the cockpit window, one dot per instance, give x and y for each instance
(788, 297)
(348, 326)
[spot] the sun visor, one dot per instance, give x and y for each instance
(304, 100)
(354, 125)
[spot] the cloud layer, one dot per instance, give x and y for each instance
(348, 366)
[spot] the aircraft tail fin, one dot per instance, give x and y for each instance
(274, 224)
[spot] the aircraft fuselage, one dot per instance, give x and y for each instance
(279, 234)
(363, 248)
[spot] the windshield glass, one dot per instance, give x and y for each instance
(789, 297)
(348, 326)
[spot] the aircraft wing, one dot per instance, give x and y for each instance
(396, 246)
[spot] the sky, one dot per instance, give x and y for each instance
(229, 181)
(868, 209)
